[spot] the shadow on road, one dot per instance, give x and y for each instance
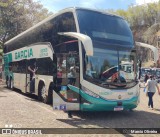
(123, 119)
(32, 97)
(2, 96)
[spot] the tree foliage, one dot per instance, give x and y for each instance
(144, 21)
(139, 15)
(19, 15)
(149, 34)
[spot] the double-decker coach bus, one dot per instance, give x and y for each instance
(74, 51)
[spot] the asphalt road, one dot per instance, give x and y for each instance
(24, 111)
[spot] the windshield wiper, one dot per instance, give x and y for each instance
(113, 84)
(105, 84)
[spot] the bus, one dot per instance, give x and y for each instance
(74, 51)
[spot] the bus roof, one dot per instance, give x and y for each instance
(72, 9)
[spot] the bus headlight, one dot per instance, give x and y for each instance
(87, 91)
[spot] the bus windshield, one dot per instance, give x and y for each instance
(114, 60)
(113, 68)
(103, 27)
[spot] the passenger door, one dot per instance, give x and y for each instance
(66, 94)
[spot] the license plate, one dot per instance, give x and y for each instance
(119, 108)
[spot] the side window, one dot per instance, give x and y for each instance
(23, 66)
(45, 66)
(14, 67)
(62, 23)
(47, 32)
(18, 68)
(67, 22)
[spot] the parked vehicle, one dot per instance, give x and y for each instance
(157, 75)
(145, 71)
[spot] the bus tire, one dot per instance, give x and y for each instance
(131, 110)
(50, 96)
(7, 82)
(42, 94)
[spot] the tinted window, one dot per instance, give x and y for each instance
(45, 66)
(19, 66)
(103, 27)
(63, 23)
(46, 32)
(67, 47)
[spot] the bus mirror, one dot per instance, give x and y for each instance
(86, 40)
(140, 73)
(154, 49)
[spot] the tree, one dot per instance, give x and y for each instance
(145, 23)
(18, 15)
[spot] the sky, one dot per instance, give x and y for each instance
(56, 5)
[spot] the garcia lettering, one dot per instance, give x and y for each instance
(24, 54)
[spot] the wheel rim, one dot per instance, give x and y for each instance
(11, 84)
(43, 93)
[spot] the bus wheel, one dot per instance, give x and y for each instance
(7, 82)
(42, 96)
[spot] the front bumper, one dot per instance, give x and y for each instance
(99, 104)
